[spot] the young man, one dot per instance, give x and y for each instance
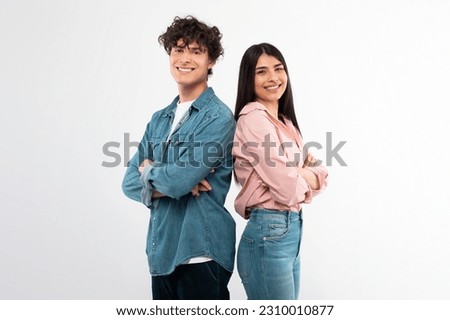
(182, 172)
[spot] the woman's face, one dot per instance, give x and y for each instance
(270, 80)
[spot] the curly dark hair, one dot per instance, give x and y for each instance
(189, 29)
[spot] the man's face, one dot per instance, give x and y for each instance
(189, 64)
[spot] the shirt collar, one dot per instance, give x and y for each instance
(249, 107)
(198, 104)
(252, 106)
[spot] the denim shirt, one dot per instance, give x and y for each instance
(183, 226)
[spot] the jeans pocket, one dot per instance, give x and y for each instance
(212, 269)
(277, 231)
(245, 256)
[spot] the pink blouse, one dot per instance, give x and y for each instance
(267, 152)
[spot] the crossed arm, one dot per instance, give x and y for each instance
(309, 176)
(146, 179)
(202, 186)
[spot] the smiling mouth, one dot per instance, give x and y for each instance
(273, 87)
(181, 69)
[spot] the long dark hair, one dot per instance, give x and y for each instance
(246, 83)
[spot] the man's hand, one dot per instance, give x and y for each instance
(202, 186)
(143, 164)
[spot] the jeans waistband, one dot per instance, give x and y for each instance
(262, 212)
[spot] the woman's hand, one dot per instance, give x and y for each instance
(309, 176)
(310, 161)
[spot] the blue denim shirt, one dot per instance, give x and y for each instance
(183, 226)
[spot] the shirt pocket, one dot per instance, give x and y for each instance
(157, 146)
(178, 148)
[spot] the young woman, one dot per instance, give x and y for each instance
(277, 178)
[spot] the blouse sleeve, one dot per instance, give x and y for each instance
(322, 175)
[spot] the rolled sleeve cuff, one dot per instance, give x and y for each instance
(322, 175)
(147, 188)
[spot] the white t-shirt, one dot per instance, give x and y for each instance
(180, 112)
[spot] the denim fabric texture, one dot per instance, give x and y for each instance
(268, 258)
(183, 226)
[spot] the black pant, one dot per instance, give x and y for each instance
(197, 281)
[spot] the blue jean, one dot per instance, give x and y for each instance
(268, 258)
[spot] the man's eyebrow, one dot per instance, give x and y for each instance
(199, 47)
(191, 47)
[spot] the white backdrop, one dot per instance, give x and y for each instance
(78, 74)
